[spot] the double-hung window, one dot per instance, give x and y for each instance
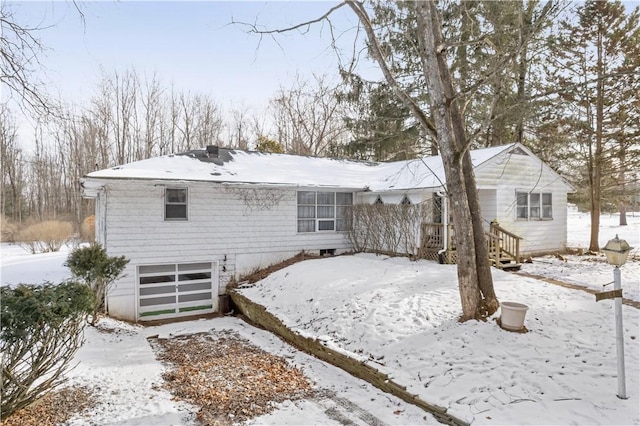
(324, 211)
(175, 204)
(534, 206)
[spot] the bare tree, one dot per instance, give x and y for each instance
(308, 117)
(20, 50)
(12, 163)
(442, 120)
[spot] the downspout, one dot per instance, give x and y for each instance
(445, 223)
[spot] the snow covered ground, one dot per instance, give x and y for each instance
(593, 271)
(399, 316)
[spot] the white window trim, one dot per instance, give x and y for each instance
(540, 206)
(317, 219)
(186, 204)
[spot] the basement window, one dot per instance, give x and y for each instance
(175, 204)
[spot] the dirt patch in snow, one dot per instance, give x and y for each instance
(230, 379)
(54, 408)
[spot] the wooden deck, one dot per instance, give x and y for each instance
(504, 246)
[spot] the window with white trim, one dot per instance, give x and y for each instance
(324, 211)
(175, 204)
(534, 206)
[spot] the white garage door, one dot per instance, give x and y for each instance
(175, 290)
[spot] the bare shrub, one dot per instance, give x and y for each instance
(88, 229)
(47, 236)
(7, 230)
(387, 228)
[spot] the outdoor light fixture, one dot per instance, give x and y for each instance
(617, 251)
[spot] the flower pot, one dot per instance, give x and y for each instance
(512, 315)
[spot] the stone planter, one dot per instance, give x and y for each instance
(512, 315)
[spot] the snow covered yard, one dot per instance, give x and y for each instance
(400, 317)
(592, 271)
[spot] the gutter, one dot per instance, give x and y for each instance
(445, 223)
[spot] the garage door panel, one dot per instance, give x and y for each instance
(157, 279)
(194, 287)
(193, 266)
(153, 301)
(166, 291)
(154, 269)
(195, 276)
(193, 297)
(150, 291)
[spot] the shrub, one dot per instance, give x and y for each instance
(97, 270)
(7, 230)
(41, 329)
(387, 228)
(45, 236)
(88, 229)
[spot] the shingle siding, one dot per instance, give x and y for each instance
(220, 224)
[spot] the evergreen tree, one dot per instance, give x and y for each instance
(597, 58)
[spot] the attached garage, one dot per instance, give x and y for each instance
(176, 290)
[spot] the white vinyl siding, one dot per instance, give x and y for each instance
(236, 232)
(508, 175)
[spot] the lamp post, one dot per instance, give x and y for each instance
(617, 251)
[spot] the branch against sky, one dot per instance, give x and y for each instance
(20, 51)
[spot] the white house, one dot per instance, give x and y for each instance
(189, 223)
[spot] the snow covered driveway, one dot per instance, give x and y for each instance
(121, 366)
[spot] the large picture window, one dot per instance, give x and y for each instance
(324, 211)
(175, 204)
(534, 206)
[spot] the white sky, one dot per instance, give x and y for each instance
(191, 45)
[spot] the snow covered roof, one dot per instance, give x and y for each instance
(234, 166)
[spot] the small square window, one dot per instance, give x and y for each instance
(175, 204)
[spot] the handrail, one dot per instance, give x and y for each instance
(509, 242)
(501, 243)
(496, 225)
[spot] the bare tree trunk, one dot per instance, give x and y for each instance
(453, 145)
(596, 185)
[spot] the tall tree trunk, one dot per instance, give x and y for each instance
(598, 157)
(458, 168)
(525, 23)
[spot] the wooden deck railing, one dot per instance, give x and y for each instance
(504, 246)
(509, 242)
(433, 236)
